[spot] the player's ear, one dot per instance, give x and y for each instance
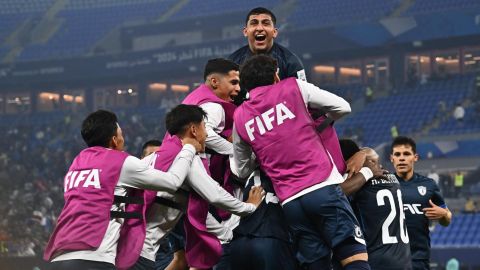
(245, 31)
(391, 158)
(416, 157)
(214, 82)
(275, 32)
(114, 142)
(193, 130)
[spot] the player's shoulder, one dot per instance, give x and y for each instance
(238, 55)
(284, 53)
(281, 49)
(424, 179)
(387, 181)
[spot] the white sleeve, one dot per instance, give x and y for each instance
(136, 173)
(215, 123)
(221, 230)
(335, 106)
(243, 162)
(210, 190)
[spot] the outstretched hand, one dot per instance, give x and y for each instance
(435, 212)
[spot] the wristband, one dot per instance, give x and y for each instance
(366, 172)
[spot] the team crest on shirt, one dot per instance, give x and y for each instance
(422, 190)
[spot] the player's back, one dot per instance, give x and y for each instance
(379, 209)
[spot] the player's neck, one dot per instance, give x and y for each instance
(407, 176)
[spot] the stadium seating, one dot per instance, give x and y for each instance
(429, 6)
(86, 22)
(311, 14)
(195, 9)
(464, 231)
(470, 124)
(410, 110)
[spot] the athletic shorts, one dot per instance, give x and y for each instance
(320, 220)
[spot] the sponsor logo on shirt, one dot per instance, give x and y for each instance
(415, 208)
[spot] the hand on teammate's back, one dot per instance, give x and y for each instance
(355, 163)
(255, 196)
(198, 146)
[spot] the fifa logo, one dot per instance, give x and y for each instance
(265, 121)
(88, 177)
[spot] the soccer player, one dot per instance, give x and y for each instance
(88, 227)
(274, 123)
(263, 237)
(164, 209)
(149, 147)
(215, 97)
(260, 32)
(171, 253)
(422, 200)
(379, 209)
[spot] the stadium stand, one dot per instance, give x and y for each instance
(311, 14)
(406, 109)
(463, 232)
(86, 22)
(427, 6)
(195, 9)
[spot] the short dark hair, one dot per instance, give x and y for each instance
(180, 117)
(219, 65)
(261, 10)
(403, 140)
(258, 70)
(349, 148)
(151, 143)
(148, 143)
(99, 127)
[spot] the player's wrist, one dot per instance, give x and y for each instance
(446, 214)
(366, 172)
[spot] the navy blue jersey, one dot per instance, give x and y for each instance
(268, 220)
(416, 193)
(289, 65)
(379, 210)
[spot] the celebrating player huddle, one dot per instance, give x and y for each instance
(265, 185)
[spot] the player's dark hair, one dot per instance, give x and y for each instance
(219, 65)
(99, 127)
(153, 142)
(349, 148)
(261, 10)
(258, 70)
(402, 140)
(180, 118)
